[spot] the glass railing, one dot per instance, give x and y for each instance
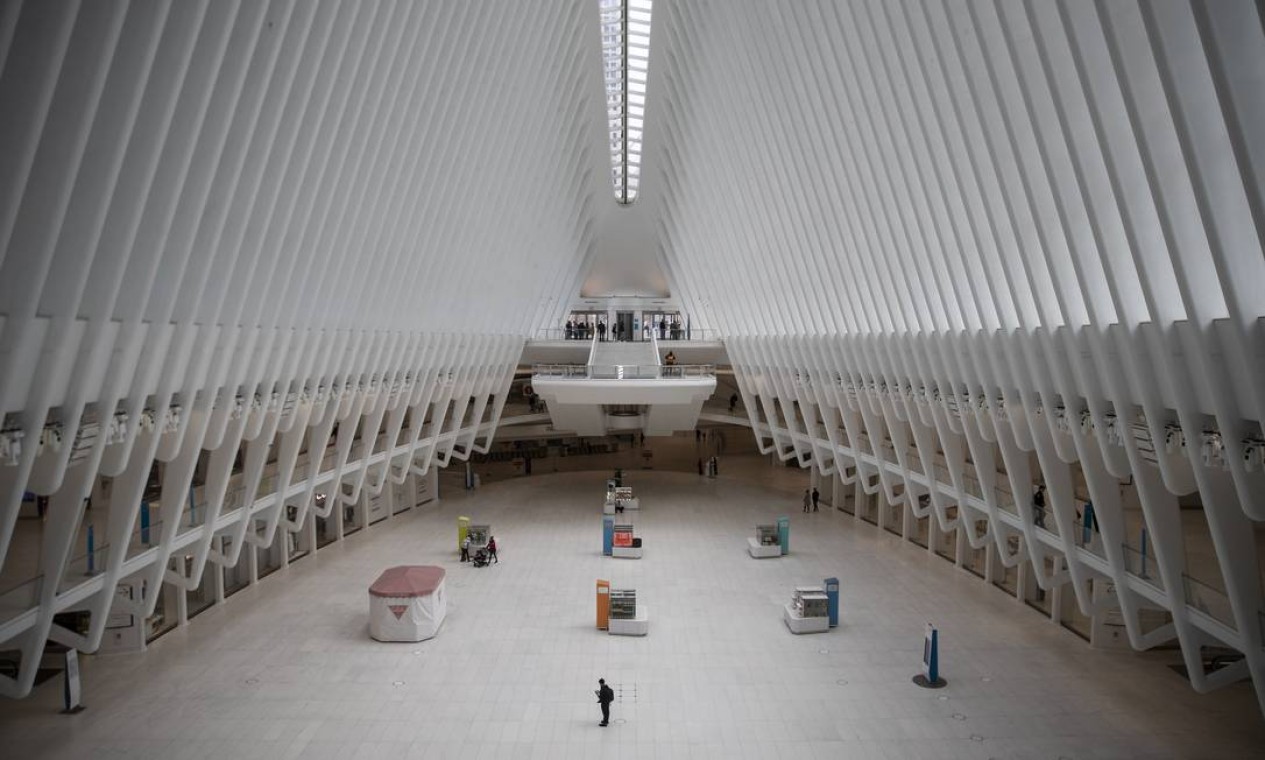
(644, 335)
(20, 597)
(83, 565)
(562, 333)
(623, 371)
(144, 537)
(1142, 564)
(692, 333)
(1208, 599)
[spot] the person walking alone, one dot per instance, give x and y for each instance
(808, 500)
(605, 695)
(816, 498)
(1038, 507)
(492, 551)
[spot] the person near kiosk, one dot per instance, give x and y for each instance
(492, 551)
(465, 549)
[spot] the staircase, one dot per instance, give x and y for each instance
(624, 360)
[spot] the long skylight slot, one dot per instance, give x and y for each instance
(625, 59)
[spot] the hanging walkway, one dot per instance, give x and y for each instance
(625, 386)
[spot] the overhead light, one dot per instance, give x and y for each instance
(1174, 439)
(11, 445)
(1253, 454)
(1212, 449)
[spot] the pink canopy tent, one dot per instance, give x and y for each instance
(407, 603)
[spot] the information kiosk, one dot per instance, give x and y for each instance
(765, 543)
(478, 537)
(808, 611)
(627, 617)
(624, 544)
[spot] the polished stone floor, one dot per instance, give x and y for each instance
(286, 669)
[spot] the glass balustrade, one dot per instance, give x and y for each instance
(623, 371)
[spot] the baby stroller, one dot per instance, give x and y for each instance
(481, 558)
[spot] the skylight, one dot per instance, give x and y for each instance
(625, 55)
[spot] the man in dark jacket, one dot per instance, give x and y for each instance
(605, 695)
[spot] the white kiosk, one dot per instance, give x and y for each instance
(618, 499)
(627, 618)
(407, 603)
(765, 543)
(808, 611)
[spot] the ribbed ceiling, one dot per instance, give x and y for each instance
(1035, 226)
(297, 164)
(891, 167)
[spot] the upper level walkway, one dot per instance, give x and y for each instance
(625, 385)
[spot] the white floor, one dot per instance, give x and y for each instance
(287, 669)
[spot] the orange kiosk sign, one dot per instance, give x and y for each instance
(603, 605)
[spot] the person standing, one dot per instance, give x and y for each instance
(663, 328)
(465, 549)
(733, 403)
(1038, 507)
(808, 500)
(816, 498)
(601, 331)
(605, 695)
(492, 551)
(570, 330)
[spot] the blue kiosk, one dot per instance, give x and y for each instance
(832, 600)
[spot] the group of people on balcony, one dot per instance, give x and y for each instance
(669, 330)
(579, 330)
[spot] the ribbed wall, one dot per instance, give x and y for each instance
(984, 229)
(957, 248)
(233, 225)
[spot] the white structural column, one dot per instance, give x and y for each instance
(959, 249)
(288, 249)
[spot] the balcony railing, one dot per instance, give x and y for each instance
(1208, 599)
(1141, 563)
(646, 334)
(623, 371)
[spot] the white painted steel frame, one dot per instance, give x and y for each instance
(985, 232)
(233, 225)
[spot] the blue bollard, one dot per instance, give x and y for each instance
(1142, 572)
